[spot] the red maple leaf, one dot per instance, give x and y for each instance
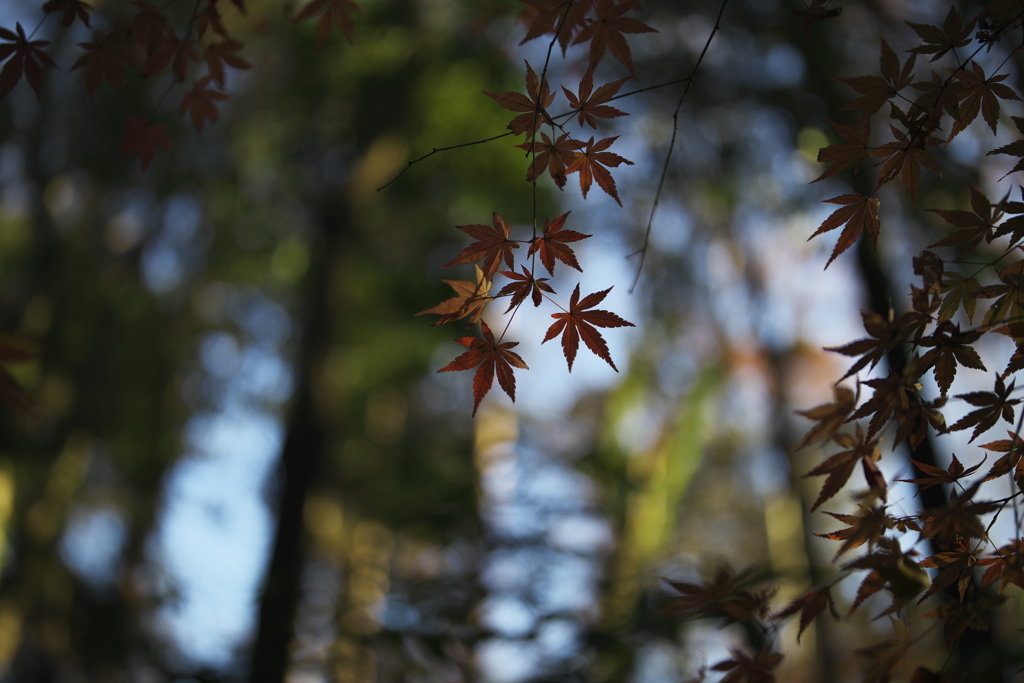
(606, 32)
(23, 56)
(590, 105)
(332, 13)
(523, 285)
(142, 138)
(859, 213)
(533, 105)
(200, 102)
(591, 164)
(107, 58)
(171, 50)
(553, 244)
(547, 16)
(72, 9)
(491, 357)
(469, 302)
(578, 323)
(492, 244)
(219, 54)
(554, 157)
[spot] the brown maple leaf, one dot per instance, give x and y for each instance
(607, 32)
(200, 102)
(469, 302)
(219, 54)
(979, 93)
(578, 322)
(107, 58)
(333, 13)
(1006, 564)
(72, 9)
(171, 50)
(553, 157)
(853, 150)
(547, 16)
(859, 449)
(859, 213)
(592, 164)
(533, 105)
(809, 605)
(939, 41)
(590, 105)
(742, 668)
(23, 56)
(829, 416)
(904, 157)
(143, 138)
(523, 285)
(954, 567)
(553, 244)
(728, 595)
(492, 358)
(492, 245)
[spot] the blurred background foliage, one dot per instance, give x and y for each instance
(241, 464)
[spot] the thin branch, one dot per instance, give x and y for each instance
(642, 251)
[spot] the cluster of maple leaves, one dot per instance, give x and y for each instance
(144, 41)
(988, 238)
(601, 25)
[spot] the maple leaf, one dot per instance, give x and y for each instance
(975, 226)
(858, 213)
(904, 158)
(954, 567)
(810, 605)
(894, 396)
(149, 25)
(939, 41)
(951, 346)
(553, 157)
(219, 54)
(578, 322)
(959, 518)
(23, 56)
(553, 245)
(142, 138)
(333, 13)
(870, 350)
(470, 302)
(817, 11)
(607, 32)
(492, 244)
(840, 466)
(991, 406)
(593, 105)
(1009, 306)
(841, 155)
(1006, 564)
(980, 94)
(591, 164)
(171, 50)
(727, 595)
(200, 102)
(742, 668)
(547, 16)
(936, 475)
(72, 9)
(533, 105)
(1011, 462)
(877, 90)
(489, 358)
(867, 527)
(522, 285)
(887, 654)
(975, 614)
(891, 569)
(107, 58)
(830, 416)
(1015, 148)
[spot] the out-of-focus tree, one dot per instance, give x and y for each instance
(195, 250)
